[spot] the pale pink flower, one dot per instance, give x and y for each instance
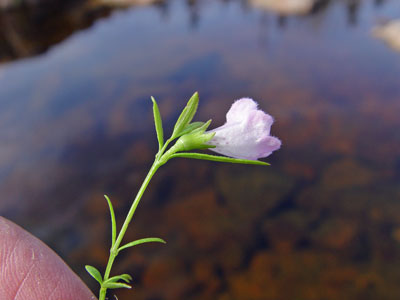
(246, 133)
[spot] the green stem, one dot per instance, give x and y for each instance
(132, 210)
(158, 162)
(103, 292)
(162, 150)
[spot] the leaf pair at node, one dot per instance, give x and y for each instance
(111, 283)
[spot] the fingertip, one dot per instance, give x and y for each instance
(32, 270)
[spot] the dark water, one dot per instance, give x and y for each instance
(323, 222)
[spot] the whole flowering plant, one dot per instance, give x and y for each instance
(244, 138)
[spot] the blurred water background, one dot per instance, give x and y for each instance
(322, 222)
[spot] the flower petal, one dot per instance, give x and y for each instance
(240, 109)
(267, 145)
(259, 122)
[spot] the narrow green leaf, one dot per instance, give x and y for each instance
(116, 285)
(125, 277)
(158, 123)
(142, 241)
(113, 222)
(94, 273)
(220, 158)
(186, 116)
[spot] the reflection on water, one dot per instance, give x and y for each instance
(324, 219)
(390, 33)
(30, 30)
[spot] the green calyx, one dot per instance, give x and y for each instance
(196, 139)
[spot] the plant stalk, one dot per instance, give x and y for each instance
(115, 248)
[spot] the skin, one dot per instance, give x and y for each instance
(31, 270)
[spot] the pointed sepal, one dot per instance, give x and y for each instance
(158, 124)
(186, 116)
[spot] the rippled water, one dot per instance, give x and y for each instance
(323, 222)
